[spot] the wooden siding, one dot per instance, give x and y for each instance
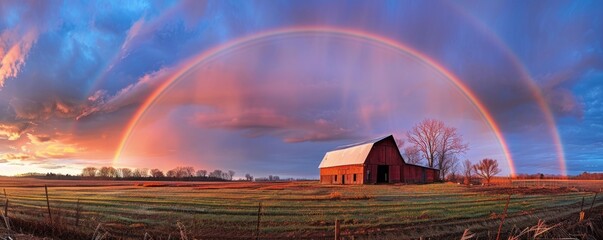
(384, 153)
(327, 175)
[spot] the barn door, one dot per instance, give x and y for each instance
(382, 174)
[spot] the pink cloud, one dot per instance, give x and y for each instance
(13, 51)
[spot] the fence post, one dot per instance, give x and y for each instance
(48, 204)
(337, 237)
(257, 229)
(592, 204)
(5, 215)
(502, 220)
(581, 210)
(77, 213)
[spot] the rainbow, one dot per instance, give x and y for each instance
(243, 41)
(525, 75)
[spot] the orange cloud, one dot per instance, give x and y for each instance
(13, 131)
(13, 51)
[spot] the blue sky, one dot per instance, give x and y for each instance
(73, 74)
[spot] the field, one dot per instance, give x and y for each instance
(210, 210)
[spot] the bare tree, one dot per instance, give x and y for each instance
(182, 172)
(437, 143)
(156, 173)
(486, 169)
(107, 172)
(216, 174)
(449, 167)
(125, 172)
(141, 172)
(171, 173)
(425, 136)
(188, 171)
(89, 172)
(231, 174)
(467, 171)
(201, 173)
(412, 154)
(248, 177)
(450, 144)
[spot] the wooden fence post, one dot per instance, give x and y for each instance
(5, 215)
(77, 213)
(592, 204)
(502, 220)
(581, 211)
(257, 229)
(48, 204)
(337, 237)
(6, 208)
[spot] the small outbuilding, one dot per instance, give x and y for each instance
(374, 161)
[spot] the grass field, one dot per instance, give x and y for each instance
(202, 210)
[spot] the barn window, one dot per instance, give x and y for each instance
(335, 178)
(354, 177)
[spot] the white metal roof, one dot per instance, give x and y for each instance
(349, 154)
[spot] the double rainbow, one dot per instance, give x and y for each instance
(340, 32)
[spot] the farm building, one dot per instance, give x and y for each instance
(374, 161)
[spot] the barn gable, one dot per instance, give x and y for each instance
(349, 154)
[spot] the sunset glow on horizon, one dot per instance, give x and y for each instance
(267, 88)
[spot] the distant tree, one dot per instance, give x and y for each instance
(188, 171)
(125, 172)
(171, 173)
(467, 171)
(486, 169)
(248, 177)
(156, 173)
(140, 172)
(216, 174)
(201, 173)
(182, 172)
(413, 155)
(89, 172)
(107, 172)
(231, 174)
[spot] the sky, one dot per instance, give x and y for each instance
(267, 87)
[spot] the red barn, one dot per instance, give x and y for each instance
(374, 161)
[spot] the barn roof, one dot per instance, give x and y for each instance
(349, 154)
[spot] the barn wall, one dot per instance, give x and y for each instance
(385, 152)
(419, 174)
(327, 175)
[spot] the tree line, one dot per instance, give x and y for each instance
(176, 173)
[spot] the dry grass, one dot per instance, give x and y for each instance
(203, 210)
(335, 195)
